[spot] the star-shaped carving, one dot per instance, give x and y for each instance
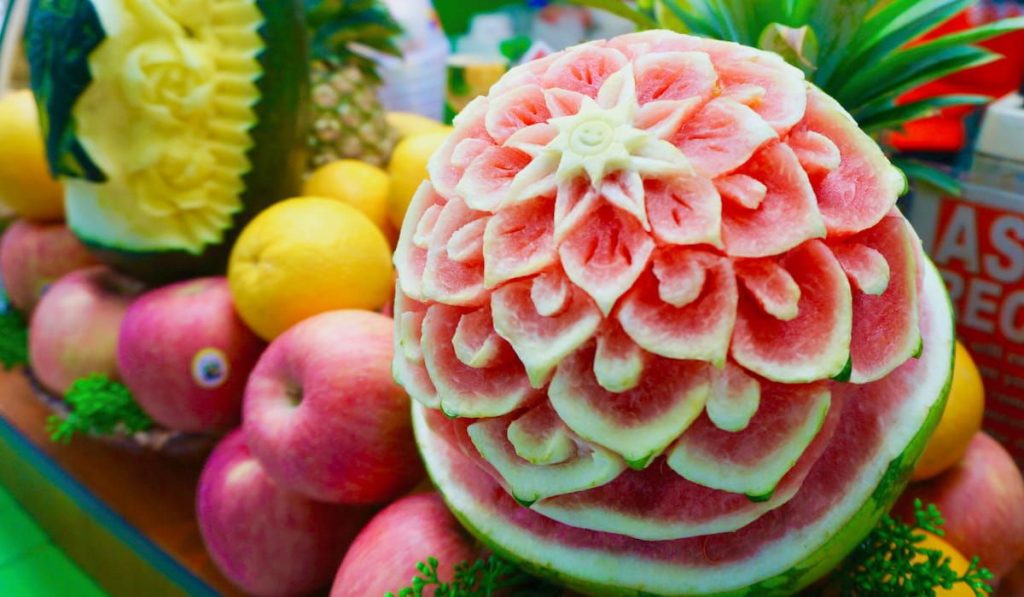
(603, 144)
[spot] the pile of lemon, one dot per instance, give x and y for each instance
(331, 248)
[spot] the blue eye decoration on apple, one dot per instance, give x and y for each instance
(210, 368)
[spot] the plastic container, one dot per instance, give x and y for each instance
(416, 83)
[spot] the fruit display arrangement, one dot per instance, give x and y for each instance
(645, 320)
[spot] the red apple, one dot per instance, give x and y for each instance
(383, 557)
(186, 355)
(982, 501)
(34, 255)
(265, 539)
(73, 331)
(324, 415)
(1012, 584)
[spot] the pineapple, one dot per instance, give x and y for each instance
(348, 119)
(857, 51)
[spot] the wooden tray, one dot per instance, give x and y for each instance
(125, 517)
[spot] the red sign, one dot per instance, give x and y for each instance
(979, 249)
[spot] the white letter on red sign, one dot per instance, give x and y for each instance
(979, 295)
(1007, 233)
(960, 240)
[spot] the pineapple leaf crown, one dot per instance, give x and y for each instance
(864, 53)
(348, 31)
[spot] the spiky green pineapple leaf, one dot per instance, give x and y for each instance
(835, 24)
(923, 57)
(931, 175)
(688, 18)
(343, 30)
(889, 29)
(892, 118)
(797, 45)
(861, 92)
(640, 18)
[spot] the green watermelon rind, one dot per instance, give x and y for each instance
(277, 138)
(812, 567)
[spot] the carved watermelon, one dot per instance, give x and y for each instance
(171, 123)
(666, 332)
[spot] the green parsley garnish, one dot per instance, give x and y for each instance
(98, 406)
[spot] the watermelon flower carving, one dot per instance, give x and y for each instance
(657, 308)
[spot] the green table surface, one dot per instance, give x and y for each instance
(30, 564)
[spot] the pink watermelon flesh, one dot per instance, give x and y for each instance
(637, 423)
(734, 399)
(680, 277)
(684, 211)
(515, 110)
(575, 201)
(521, 75)
(475, 341)
(542, 341)
(700, 329)
(867, 268)
(539, 436)
(630, 507)
(662, 118)
(417, 228)
(784, 96)
(886, 330)
(754, 460)
(469, 139)
(742, 190)
(864, 187)
(606, 258)
(562, 102)
(772, 286)
(618, 361)
(785, 217)
(722, 137)
(584, 72)
(876, 423)
(816, 344)
(455, 279)
(817, 153)
(466, 391)
(674, 76)
(486, 182)
(519, 241)
(579, 466)
(408, 366)
(773, 88)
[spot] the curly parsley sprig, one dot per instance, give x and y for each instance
(481, 578)
(98, 406)
(892, 561)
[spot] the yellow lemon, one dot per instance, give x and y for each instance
(957, 562)
(960, 421)
(361, 185)
(408, 124)
(305, 256)
(408, 168)
(25, 182)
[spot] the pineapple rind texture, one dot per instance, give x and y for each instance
(348, 119)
